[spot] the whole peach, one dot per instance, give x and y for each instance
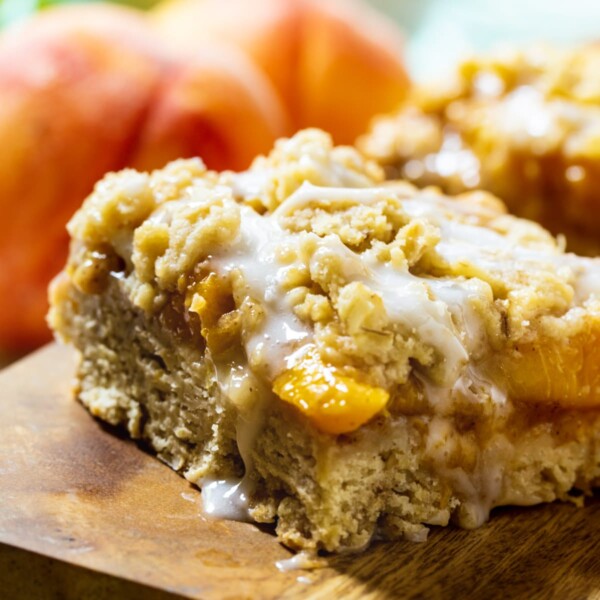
(90, 89)
(72, 103)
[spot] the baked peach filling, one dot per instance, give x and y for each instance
(211, 300)
(564, 372)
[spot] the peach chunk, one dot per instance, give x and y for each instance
(211, 299)
(334, 402)
(562, 371)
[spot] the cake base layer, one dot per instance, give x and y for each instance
(325, 492)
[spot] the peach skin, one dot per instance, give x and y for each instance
(217, 105)
(71, 105)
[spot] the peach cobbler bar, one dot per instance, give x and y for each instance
(341, 355)
(522, 124)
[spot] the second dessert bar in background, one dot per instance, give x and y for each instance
(522, 124)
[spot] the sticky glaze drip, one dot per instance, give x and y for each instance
(226, 498)
(229, 498)
(302, 560)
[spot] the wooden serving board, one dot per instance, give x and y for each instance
(85, 513)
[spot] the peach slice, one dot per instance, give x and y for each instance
(334, 402)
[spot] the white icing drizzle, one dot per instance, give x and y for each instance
(308, 192)
(481, 490)
(408, 301)
(302, 560)
(254, 253)
(229, 498)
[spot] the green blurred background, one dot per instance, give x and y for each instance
(440, 32)
(12, 10)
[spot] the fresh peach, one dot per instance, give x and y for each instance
(268, 31)
(350, 67)
(71, 105)
(89, 89)
(335, 64)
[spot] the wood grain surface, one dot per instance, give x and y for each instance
(86, 513)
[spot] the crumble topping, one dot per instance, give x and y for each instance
(308, 157)
(341, 291)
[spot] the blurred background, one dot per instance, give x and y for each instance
(71, 85)
(439, 32)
